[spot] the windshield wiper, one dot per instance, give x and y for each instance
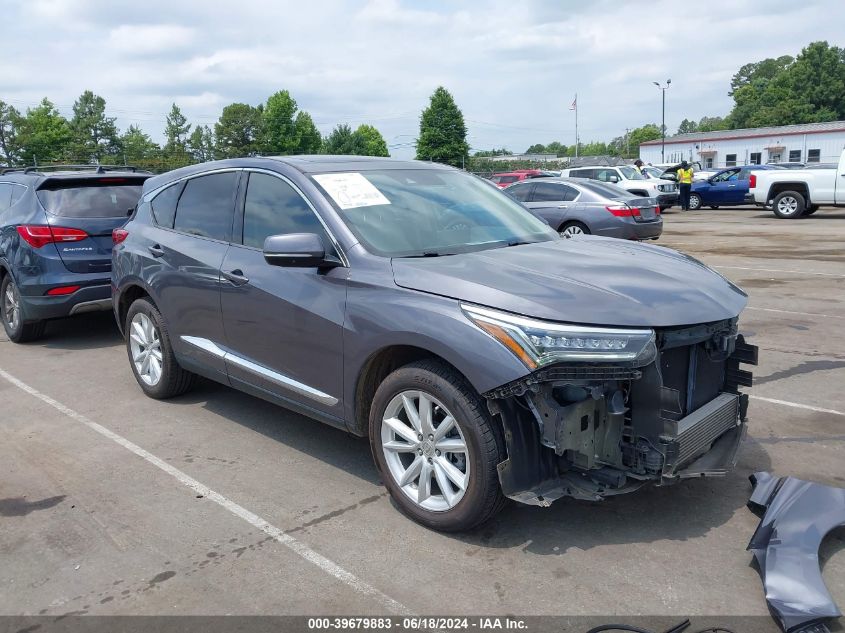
(427, 254)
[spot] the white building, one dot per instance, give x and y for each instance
(807, 143)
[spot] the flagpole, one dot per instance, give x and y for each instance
(576, 125)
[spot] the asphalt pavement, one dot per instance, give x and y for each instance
(219, 503)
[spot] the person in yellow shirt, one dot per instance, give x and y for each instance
(684, 184)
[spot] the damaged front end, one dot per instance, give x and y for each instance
(589, 430)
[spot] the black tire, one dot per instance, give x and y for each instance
(574, 224)
(174, 380)
(483, 497)
(811, 209)
(19, 332)
(694, 202)
(789, 205)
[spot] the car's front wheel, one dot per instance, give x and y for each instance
(151, 354)
(694, 202)
(11, 314)
(436, 447)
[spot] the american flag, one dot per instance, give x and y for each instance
(574, 105)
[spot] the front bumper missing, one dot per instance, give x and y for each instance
(626, 430)
(797, 516)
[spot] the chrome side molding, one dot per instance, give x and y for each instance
(275, 377)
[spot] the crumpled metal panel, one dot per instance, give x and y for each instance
(798, 515)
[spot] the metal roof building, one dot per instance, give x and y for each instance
(809, 142)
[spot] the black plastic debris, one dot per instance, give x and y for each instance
(797, 516)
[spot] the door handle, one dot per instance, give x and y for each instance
(235, 277)
(156, 251)
(563, 206)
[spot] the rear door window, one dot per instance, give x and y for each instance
(548, 192)
(273, 207)
(90, 198)
(207, 206)
(583, 173)
(164, 205)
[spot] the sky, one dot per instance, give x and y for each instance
(514, 67)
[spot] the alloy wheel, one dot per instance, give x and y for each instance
(572, 229)
(788, 205)
(425, 451)
(145, 347)
(11, 306)
(694, 202)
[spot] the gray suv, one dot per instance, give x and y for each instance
(485, 356)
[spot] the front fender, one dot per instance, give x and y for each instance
(378, 318)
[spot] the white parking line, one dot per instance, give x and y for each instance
(320, 561)
(777, 270)
(812, 314)
(798, 405)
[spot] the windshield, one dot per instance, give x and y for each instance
(104, 198)
(631, 174)
(429, 212)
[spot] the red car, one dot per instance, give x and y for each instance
(509, 177)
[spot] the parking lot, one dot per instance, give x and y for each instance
(218, 503)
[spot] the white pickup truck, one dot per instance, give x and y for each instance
(791, 193)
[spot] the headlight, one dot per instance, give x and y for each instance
(538, 343)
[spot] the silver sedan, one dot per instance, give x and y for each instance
(575, 206)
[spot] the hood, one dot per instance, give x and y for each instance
(586, 280)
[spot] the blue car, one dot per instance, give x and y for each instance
(56, 240)
(726, 188)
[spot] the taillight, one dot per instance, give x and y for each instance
(118, 235)
(62, 290)
(752, 181)
(38, 236)
(623, 210)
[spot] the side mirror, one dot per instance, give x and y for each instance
(614, 179)
(297, 250)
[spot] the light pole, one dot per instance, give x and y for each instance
(663, 90)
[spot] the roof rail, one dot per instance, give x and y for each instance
(8, 170)
(100, 169)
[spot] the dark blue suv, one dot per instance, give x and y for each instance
(56, 239)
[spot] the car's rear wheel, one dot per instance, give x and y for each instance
(151, 353)
(436, 447)
(694, 202)
(11, 314)
(571, 229)
(789, 205)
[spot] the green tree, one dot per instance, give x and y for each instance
(558, 149)
(443, 133)
(342, 140)
(238, 131)
(712, 124)
(687, 127)
(484, 153)
(648, 132)
(94, 134)
(279, 128)
(201, 144)
(370, 141)
(176, 132)
(537, 148)
(786, 91)
(309, 139)
(137, 146)
(42, 135)
(8, 117)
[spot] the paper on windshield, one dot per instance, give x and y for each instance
(351, 190)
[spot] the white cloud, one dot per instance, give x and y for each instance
(513, 68)
(150, 38)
